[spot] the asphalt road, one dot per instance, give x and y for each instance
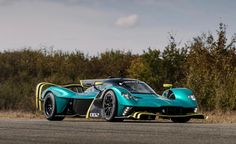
(79, 131)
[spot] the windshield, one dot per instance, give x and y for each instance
(136, 87)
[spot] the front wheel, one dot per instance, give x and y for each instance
(180, 119)
(49, 105)
(109, 106)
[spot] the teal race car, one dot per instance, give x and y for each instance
(115, 99)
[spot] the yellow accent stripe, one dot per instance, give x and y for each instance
(137, 115)
(134, 115)
(39, 93)
(145, 113)
(87, 114)
(81, 83)
(167, 85)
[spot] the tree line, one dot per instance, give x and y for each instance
(207, 65)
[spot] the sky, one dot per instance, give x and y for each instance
(95, 26)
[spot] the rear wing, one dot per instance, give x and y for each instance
(90, 82)
(41, 87)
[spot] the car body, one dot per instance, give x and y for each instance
(115, 99)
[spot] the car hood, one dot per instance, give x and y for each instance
(154, 100)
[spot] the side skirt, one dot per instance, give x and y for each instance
(72, 116)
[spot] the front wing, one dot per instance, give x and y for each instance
(148, 115)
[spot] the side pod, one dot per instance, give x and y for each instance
(39, 89)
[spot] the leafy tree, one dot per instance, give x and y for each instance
(139, 69)
(173, 63)
(115, 63)
(152, 58)
(211, 71)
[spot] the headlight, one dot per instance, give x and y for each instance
(126, 110)
(192, 97)
(127, 96)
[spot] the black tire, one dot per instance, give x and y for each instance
(49, 106)
(180, 119)
(109, 105)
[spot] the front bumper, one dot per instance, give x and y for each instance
(161, 110)
(152, 116)
(151, 113)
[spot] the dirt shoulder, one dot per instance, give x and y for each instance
(20, 114)
(213, 117)
(221, 117)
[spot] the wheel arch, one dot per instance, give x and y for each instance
(119, 100)
(183, 95)
(60, 102)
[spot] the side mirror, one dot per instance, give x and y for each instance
(167, 85)
(97, 84)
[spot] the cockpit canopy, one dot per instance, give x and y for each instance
(132, 85)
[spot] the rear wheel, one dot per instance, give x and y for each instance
(50, 108)
(110, 106)
(180, 119)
